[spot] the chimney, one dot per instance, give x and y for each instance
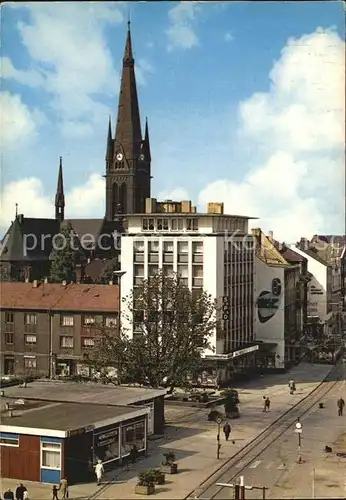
(63, 283)
(26, 280)
(34, 284)
(45, 281)
(270, 235)
(110, 283)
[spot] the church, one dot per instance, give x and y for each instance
(27, 245)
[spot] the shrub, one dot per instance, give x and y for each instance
(147, 478)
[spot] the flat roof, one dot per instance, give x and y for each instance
(62, 418)
(188, 214)
(83, 392)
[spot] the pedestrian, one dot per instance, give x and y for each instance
(292, 386)
(266, 406)
(341, 404)
(99, 470)
(227, 430)
(64, 488)
(8, 495)
(55, 493)
(133, 454)
(20, 492)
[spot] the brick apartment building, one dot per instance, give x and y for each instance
(47, 329)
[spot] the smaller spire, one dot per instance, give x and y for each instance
(146, 140)
(16, 210)
(109, 150)
(59, 196)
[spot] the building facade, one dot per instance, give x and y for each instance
(67, 439)
(278, 311)
(48, 329)
(212, 252)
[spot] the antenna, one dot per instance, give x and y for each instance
(128, 17)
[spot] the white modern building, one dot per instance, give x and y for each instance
(212, 252)
(278, 322)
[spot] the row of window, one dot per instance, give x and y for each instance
(167, 224)
(65, 320)
(50, 451)
(168, 246)
(65, 341)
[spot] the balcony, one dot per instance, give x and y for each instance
(197, 258)
(138, 258)
(153, 258)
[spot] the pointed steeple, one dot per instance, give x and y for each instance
(128, 136)
(109, 150)
(146, 142)
(59, 196)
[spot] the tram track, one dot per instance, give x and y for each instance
(250, 452)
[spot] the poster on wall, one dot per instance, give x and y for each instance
(106, 446)
(268, 301)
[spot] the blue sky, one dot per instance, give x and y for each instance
(244, 101)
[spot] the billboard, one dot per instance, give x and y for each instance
(106, 445)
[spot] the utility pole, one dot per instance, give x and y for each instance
(218, 445)
(299, 430)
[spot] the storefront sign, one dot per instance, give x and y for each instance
(247, 350)
(106, 445)
(268, 301)
(81, 430)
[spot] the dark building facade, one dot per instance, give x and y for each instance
(27, 245)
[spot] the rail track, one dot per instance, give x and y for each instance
(247, 455)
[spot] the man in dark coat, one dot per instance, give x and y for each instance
(20, 492)
(341, 404)
(227, 430)
(8, 495)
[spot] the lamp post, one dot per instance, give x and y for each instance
(218, 421)
(299, 430)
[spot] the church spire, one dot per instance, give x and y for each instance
(109, 150)
(59, 196)
(147, 141)
(128, 136)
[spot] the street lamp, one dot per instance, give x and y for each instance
(299, 431)
(119, 275)
(218, 421)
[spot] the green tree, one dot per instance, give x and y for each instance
(64, 255)
(108, 271)
(172, 327)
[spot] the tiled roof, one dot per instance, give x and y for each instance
(51, 296)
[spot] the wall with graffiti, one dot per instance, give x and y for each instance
(269, 307)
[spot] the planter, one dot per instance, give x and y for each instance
(170, 468)
(161, 479)
(144, 490)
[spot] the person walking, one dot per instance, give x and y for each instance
(340, 404)
(99, 470)
(266, 404)
(8, 495)
(292, 386)
(227, 430)
(64, 488)
(20, 492)
(55, 493)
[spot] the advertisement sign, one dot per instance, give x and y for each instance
(106, 445)
(268, 301)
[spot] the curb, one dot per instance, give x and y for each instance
(261, 433)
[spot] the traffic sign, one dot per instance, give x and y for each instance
(298, 425)
(299, 431)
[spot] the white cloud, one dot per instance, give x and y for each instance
(296, 188)
(228, 37)
(177, 194)
(181, 33)
(17, 121)
(86, 200)
(143, 69)
(75, 67)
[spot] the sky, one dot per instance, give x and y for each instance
(245, 104)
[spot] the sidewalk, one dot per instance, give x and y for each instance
(193, 439)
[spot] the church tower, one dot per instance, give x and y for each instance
(59, 196)
(128, 161)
